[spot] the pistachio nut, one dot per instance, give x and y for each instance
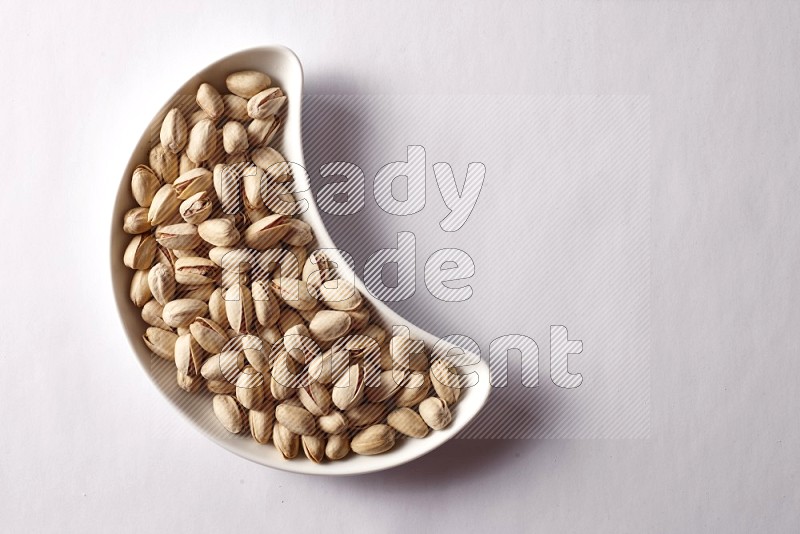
(267, 232)
(174, 131)
(271, 162)
(446, 381)
(349, 389)
(299, 233)
(189, 355)
(164, 163)
(216, 308)
(339, 294)
(329, 366)
(220, 387)
(210, 101)
(181, 236)
(165, 205)
(373, 440)
(193, 182)
(135, 221)
(235, 108)
(267, 102)
(196, 208)
(219, 232)
(161, 280)
(408, 422)
(223, 367)
(239, 308)
(195, 271)
(261, 424)
(144, 184)
(247, 83)
(210, 335)
(185, 164)
(261, 131)
(435, 413)
(332, 423)
(314, 448)
(182, 312)
(140, 252)
(234, 137)
(151, 314)
(140, 289)
(366, 414)
(338, 447)
(294, 293)
(161, 342)
(251, 181)
(202, 141)
(189, 384)
(266, 304)
(287, 442)
(414, 391)
(252, 389)
(328, 325)
(359, 318)
(389, 383)
(318, 269)
(315, 398)
(229, 413)
(297, 420)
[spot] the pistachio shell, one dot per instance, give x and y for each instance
(196, 208)
(220, 387)
(338, 447)
(161, 280)
(252, 390)
(195, 271)
(189, 384)
(349, 389)
(140, 252)
(235, 108)
(247, 83)
(435, 413)
(266, 304)
(164, 163)
(161, 342)
(210, 335)
(267, 102)
(135, 221)
(229, 413)
(140, 289)
(151, 314)
(446, 381)
(340, 294)
(165, 205)
(366, 414)
(144, 184)
(193, 182)
(285, 441)
(182, 312)
(261, 131)
(408, 422)
(223, 367)
(328, 325)
(182, 236)
(314, 448)
(219, 232)
(189, 355)
(267, 232)
(297, 420)
(210, 101)
(333, 423)
(202, 141)
(315, 398)
(174, 131)
(414, 391)
(261, 425)
(234, 137)
(373, 440)
(239, 308)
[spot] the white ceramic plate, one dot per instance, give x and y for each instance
(285, 69)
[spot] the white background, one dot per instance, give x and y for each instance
(86, 443)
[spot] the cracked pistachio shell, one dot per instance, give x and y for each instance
(251, 182)
(174, 131)
(267, 232)
(373, 440)
(239, 308)
(408, 353)
(266, 304)
(140, 289)
(247, 83)
(315, 398)
(261, 425)
(318, 268)
(297, 420)
(408, 422)
(252, 389)
(327, 325)
(340, 294)
(261, 131)
(202, 141)
(333, 423)
(189, 355)
(210, 101)
(181, 236)
(235, 108)
(229, 413)
(135, 221)
(265, 103)
(193, 182)
(161, 280)
(182, 312)
(349, 389)
(435, 413)
(338, 447)
(219, 232)
(161, 342)
(210, 335)
(165, 205)
(140, 252)
(285, 376)
(195, 271)
(234, 137)
(189, 384)
(151, 314)
(287, 442)
(314, 448)
(196, 208)
(144, 184)
(445, 381)
(164, 163)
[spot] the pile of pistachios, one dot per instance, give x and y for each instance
(236, 295)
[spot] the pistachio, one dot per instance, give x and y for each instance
(161, 342)
(226, 185)
(210, 101)
(349, 389)
(210, 335)
(299, 233)
(435, 413)
(315, 398)
(414, 391)
(165, 205)
(314, 448)
(267, 102)
(219, 232)
(332, 423)
(408, 422)
(366, 414)
(144, 184)
(229, 413)
(189, 384)
(328, 325)
(318, 269)
(252, 390)
(140, 290)
(239, 308)
(329, 366)
(185, 164)
(181, 236)
(223, 367)
(135, 221)
(189, 355)
(140, 252)
(151, 314)
(234, 137)
(297, 420)
(271, 161)
(216, 308)
(338, 447)
(408, 353)
(446, 381)
(202, 141)
(389, 383)
(340, 294)
(235, 108)
(247, 83)
(252, 178)
(182, 312)
(373, 440)
(294, 293)
(161, 280)
(359, 318)
(285, 377)
(261, 424)
(257, 354)
(194, 271)
(220, 387)
(266, 304)
(267, 232)
(192, 182)
(164, 163)
(196, 208)
(285, 441)
(174, 131)
(261, 131)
